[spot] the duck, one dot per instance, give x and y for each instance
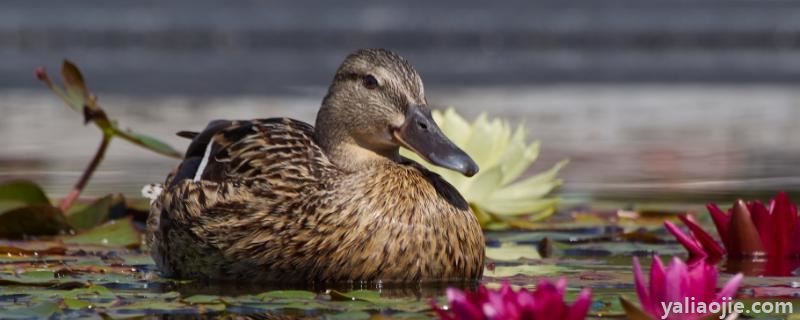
(280, 200)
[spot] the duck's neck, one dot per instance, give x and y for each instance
(343, 149)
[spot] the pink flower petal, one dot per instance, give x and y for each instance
(580, 307)
(526, 304)
(703, 281)
(784, 222)
(561, 286)
(677, 283)
(721, 221)
(730, 288)
(691, 245)
(657, 284)
(549, 302)
(763, 222)
(711, 247)
(461, 307)
(638, 281)
(497, 308)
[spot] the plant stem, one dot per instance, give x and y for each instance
(87, 174)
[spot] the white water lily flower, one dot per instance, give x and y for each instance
(502, 154)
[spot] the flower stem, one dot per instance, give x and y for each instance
(73, 195)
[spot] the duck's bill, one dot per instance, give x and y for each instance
(421, 135)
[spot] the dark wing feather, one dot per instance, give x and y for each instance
(276, 149)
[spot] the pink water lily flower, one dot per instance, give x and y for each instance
(546, 302)
(746, 230)
(678, 283)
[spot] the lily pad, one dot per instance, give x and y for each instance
(512, 252)
(525, 270)
(35, 219)
(23, 191)
(97, 212)
(44, 310)
(359, 295)
(32, 247)
(287, 294)
(115, 233)
(202, 299)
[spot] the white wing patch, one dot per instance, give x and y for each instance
(204, 162)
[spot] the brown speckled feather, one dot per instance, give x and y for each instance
(270, 206)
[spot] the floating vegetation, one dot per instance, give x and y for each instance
(103, 271)
(25, 209)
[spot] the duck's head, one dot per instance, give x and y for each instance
(377, 104)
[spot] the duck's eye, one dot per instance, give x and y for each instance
(370, 82)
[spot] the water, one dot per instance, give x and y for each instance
(693, 142)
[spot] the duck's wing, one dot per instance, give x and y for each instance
(238, 180)
(279, 150)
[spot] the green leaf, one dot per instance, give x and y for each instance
(512, 252)
(115, 233)
(76, 94)
(23, 191)
(36, 219)
(44, 310)
(97, 212)
(202, 299)
(42, 278)
(149, 306)
(358, 295)
(146, 141)
(525, 269)
(287, 294)
(350, 315)
(76, 304)
(92, 292)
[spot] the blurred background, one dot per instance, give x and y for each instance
(647, 98)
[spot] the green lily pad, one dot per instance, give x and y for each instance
(97, 212)
(358, 295)
(30, 278)
(512, 252)
(35, 219)
(44, 310)
(351, 315)
(115, 233)
(76, 304)
(525, 270)
(202, 299)
(287, 294)
(23, 191)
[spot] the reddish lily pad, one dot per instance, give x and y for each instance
(32, 247)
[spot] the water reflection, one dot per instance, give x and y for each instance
(699, 143)
(766, 266)
(419, 291)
